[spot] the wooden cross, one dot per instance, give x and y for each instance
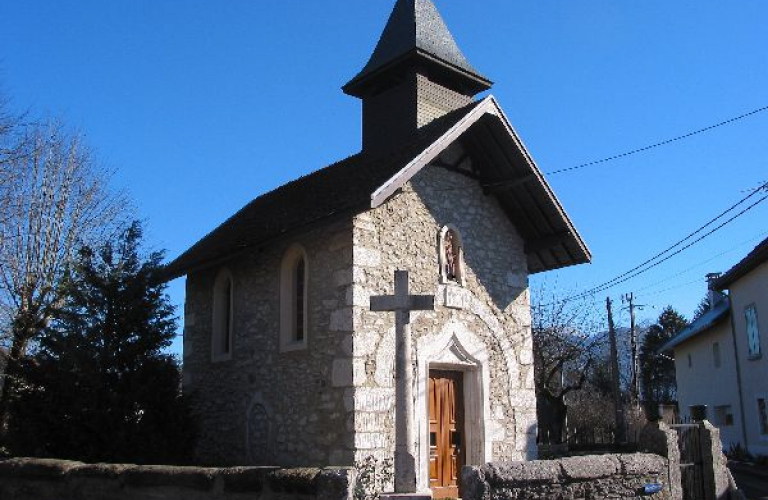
(402, 304)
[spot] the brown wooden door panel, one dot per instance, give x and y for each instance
(446, 427)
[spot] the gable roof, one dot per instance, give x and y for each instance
(417, 30)
(747, 264)
(367, 180)
(700, 326)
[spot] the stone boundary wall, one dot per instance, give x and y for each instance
(41, 479)
(658, 438)
(595, 477)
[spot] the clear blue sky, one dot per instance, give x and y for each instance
(203, 105)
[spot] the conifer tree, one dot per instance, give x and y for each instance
(657, 369)
(99, 386)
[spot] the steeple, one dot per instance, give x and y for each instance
(417, 73)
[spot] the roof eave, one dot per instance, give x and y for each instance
(694, 331)
(754, 259)
(172, 271)
(474, 81)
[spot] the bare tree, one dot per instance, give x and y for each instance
(55, 198)
(10, 148)
(567, 342)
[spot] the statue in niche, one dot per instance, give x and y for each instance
(452, 256)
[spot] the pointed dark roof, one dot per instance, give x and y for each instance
(416, 32)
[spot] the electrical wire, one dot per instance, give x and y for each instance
(655, 264)
(707, 261)
(657, 259)
(659, 144)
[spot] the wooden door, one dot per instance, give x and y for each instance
(446, 432)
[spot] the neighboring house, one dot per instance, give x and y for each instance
(284, 361)
(721, 372)
(747, 284)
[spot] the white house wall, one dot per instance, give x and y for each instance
(702, 383)
(752, 289)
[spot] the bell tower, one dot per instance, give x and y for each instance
(417, 73)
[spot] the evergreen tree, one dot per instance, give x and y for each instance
(702, 308)
(99, 386)
(657, 369)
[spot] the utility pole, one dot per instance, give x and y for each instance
(630, 297)
(619, 411)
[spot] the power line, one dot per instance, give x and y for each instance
(707, 261)
(641, 271)
(656, 260)
(662, 143)
(681, 285)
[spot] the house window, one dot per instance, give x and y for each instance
(716, 354)
(690, 361)
(294, 280)
(698, 412)
(451, 259)
(753, 334)
(762, 412)
(723, 416)
(223, 314)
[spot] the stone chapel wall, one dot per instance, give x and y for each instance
(265, 407)
(491, 313)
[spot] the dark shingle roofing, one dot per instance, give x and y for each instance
(343, 186)
(417, 28)
(750, 262)
(702, 324)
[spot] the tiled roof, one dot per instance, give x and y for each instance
(747, 264)
(343, 186)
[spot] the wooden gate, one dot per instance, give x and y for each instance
(446, 432)
(691, 460)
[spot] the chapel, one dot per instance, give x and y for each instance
(285, 362)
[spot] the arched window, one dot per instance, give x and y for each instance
(451, 256)
(223, 317)
(294, 280)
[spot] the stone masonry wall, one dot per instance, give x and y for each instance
(333, 403)
(36, 479)
(620, 477)
(493, 306)
(264, 407)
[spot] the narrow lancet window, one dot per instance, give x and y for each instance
(299, 310)
(294, 277)
(226, 340)
(223, 321)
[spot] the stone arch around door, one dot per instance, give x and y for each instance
(455, 348)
